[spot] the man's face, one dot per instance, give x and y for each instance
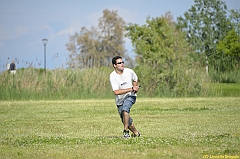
(119, 65)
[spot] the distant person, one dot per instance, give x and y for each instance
(124, 82)
(12, 67)
(8, 67)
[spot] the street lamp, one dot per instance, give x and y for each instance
(45, 43)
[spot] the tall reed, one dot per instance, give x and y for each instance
(55, 84)
(34, 84)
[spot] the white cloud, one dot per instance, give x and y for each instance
(20, 30)
(12, 33)
(69, 31)
(45, 27)
(128, 16)
(2, 44)
(5, 33)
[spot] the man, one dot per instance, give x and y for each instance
(124, 82)
(12, 67)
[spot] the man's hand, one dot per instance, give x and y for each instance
(135, 88)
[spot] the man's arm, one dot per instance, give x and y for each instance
(122, 91)
(135, 86)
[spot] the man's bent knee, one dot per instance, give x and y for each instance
(124, 112)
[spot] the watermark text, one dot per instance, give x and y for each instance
(221, 156)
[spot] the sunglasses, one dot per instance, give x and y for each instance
(120, 62)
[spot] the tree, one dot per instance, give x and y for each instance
(162, 57)
(229, 47)
(205, 24)
(83, 47)
(235, 20)
(112, 29)
(97, 46)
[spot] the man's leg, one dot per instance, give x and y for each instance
(126, 118)
(127, 121)
(133, 129)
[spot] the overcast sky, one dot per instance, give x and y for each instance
(24, 23)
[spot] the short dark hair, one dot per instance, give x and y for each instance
(114, 60)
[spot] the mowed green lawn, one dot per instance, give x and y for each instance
(170, 128)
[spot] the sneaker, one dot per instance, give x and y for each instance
(138, 135)
(126, 134)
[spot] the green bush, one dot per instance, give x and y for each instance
(227, 77)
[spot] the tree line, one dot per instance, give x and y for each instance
(168, 53)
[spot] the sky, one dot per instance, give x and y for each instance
(24, 23)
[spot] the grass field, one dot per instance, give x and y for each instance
(170, 128)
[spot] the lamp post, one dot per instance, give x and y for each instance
(45, 43)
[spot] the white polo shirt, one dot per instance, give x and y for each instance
(123, 81)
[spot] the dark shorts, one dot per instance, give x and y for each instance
(127, 105)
